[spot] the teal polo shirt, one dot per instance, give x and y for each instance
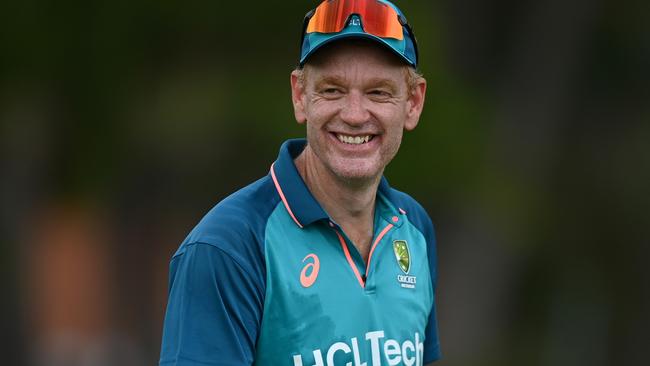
(268, 278)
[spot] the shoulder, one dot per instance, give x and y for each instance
(217, 282)
(414, 211)
(236, 225)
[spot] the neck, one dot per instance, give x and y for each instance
(350, 202)
(345, 200)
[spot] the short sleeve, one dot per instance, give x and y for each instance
(214, 309)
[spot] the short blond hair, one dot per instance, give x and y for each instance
(413, 77)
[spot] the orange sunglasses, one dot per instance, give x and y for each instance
(379, 19)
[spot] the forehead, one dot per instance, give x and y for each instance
(357, 58)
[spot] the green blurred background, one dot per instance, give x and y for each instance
(123, 122)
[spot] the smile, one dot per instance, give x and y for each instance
(354, 140)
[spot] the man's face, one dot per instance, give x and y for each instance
(355, 102)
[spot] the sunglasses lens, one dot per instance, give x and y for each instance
(377, 18)
(330, 17)
(381, 20)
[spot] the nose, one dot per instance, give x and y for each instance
(354, 111)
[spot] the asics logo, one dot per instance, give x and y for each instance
(307, 280)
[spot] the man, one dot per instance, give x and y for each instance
(320, 262)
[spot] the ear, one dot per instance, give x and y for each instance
(415, 104)
(298, 97)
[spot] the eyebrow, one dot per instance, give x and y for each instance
(337, 80)
(383, 83)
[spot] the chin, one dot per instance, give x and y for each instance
(356, 171)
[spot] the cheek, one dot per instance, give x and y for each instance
(395, 139)
(395, 119)
(394, 131)
(318, 113)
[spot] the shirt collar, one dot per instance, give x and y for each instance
(298, 200)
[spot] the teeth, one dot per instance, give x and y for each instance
(354, 140)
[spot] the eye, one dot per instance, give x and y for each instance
(331, 91)
(380, 93)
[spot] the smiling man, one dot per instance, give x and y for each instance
(320, 262)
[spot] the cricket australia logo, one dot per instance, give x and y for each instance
(403, 257)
